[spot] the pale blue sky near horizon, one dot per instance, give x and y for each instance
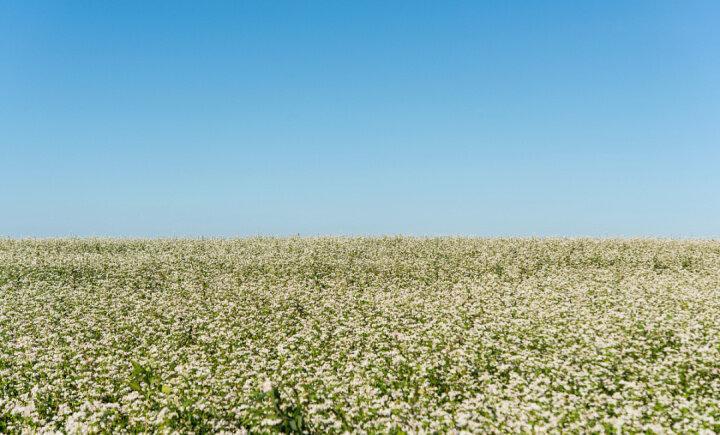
(487, 118)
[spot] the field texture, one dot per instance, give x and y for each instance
(363, 335)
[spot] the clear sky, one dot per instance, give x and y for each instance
(524, 118)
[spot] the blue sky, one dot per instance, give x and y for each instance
(359, 117)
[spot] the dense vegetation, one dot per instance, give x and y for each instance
(359, 334)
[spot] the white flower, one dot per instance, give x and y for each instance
(441, 335)
(270, 421)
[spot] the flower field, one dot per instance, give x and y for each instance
(359, 334)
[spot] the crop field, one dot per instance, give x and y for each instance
(363, 335)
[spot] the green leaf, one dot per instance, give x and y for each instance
(137, 368)
(135, 385)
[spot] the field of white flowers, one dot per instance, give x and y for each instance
(360, 335)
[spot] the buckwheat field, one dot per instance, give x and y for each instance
(359, 334)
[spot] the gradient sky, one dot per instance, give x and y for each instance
(355, 117)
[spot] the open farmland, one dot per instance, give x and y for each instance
(359, 334)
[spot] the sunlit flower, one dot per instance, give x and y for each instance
(359, 335)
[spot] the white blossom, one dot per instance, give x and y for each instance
(359, 335)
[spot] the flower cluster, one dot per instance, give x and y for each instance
(360, 335)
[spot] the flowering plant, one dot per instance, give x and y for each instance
(360, 335)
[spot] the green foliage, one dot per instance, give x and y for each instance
(367, 335)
